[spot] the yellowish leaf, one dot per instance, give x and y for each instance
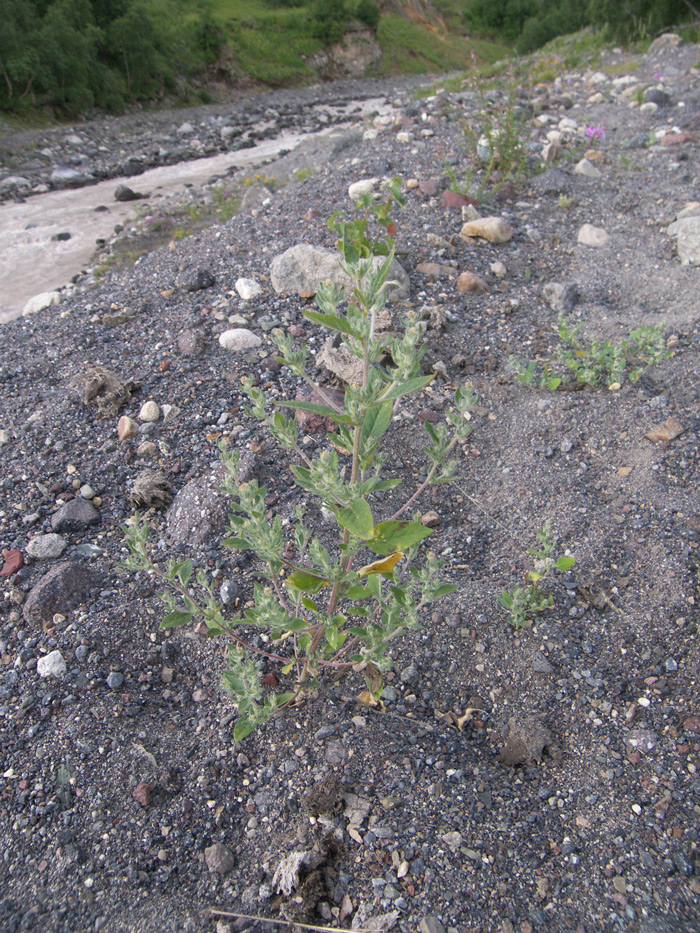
(385, 565)
(366, 698)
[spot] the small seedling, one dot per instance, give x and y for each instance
(534, 375)
(525, 601)
(319, 608)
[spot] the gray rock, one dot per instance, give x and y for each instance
(228, 593)
(62, 589)
(185, 129)
(65, 177)
(540, 664)
(552, 183)
(200, 508)
(51, 665)
(115, 680)
(410, 675)
(45, 547)
(561, 297)
(248, 288)
(219, 859)
(74, 516)
(587, 169)
(302, 268)
(190, 342)
(689, 240)
(239, 339)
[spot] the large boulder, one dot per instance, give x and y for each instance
(302, 268)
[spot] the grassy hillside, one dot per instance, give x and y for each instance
(272, 45)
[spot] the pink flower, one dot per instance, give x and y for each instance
(595, 132)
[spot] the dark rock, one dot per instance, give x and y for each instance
(552, 183)
(61, 589)
(124, 193)
(74, 516)
(656, 96)
(60, 237)
(196, 280)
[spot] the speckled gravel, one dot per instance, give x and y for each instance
(124, 802)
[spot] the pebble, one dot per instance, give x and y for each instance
(469, 282)
(41, 302)
(150, 411)
(51, 665)
(87, 492)
(587, 169)
(46, 547)
(239, 339)
(115, 680)
(493, 229)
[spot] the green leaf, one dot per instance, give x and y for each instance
(242, 729)
(239, 544)
(357, 592)
(397, 536)
(308, 603)
(565, 563)
(306, 582)
(184, 572)
(376, 423)
(386, 484)
(357, 519)
(408, 387)
(445, 590)
(176, 619)
(315, 409)
(287, 668)
(334, 322)
(357, 632)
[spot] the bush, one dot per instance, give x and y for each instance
(368, 13)
(329, 17)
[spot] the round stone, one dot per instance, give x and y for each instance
(248, 289)
(87, 492)
(115, 680)
(126, 427)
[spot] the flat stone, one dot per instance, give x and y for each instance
(596, 237)
(248, 289)
(61, 589)
(219, 859)
(74, 516)
(239, 339)
(12, 562)
(300, 269)
(561, 297)
(493, 229)
(190, 342)
(46, 547)
(41, 302)
(51, 665)
(435, 269)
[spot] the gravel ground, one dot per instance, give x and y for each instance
(570, 797)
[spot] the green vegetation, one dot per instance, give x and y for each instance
(529, 24)
(70, 56)
(525, 601)
(595, 363)
(341, 609)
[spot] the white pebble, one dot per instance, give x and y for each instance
(149, 411)
(51, 665)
